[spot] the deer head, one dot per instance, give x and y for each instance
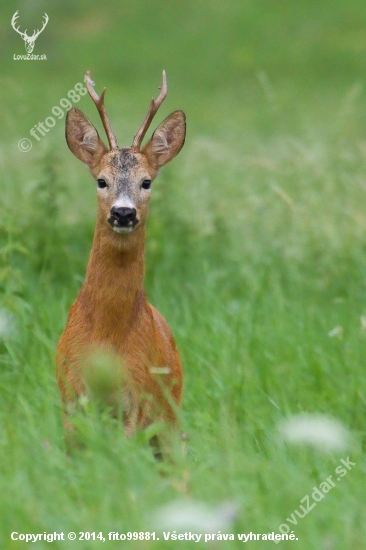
(124, 175)
(29, 41)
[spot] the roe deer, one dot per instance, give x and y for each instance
(111, 312)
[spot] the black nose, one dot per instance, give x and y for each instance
(123, 216)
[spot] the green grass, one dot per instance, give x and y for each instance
(256, 250)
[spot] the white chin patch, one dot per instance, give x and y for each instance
(123, 230)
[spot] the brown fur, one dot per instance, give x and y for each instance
(111, 311)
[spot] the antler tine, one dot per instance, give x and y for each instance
(46, 19)
(99, 102)
(13, 21)
(154, 106)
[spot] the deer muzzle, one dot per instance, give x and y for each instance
(123, 218)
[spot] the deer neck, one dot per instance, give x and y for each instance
(113, 291)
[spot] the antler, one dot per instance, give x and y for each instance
(37, 32)
(154, 106)
(13, 21)
(99, 102)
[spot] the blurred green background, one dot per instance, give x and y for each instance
(255, 256)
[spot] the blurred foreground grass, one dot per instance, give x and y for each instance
(255, 255)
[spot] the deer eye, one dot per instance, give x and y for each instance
(146, 184)
(102, 184)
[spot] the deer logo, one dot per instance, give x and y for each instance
(29, 41)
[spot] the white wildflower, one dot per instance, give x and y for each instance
(182, 515)
(336, 332)
(315, 430)
(6, 324)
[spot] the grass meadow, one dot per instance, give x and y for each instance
(256, 256)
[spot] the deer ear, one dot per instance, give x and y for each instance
(83, 139)
(167, 140)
